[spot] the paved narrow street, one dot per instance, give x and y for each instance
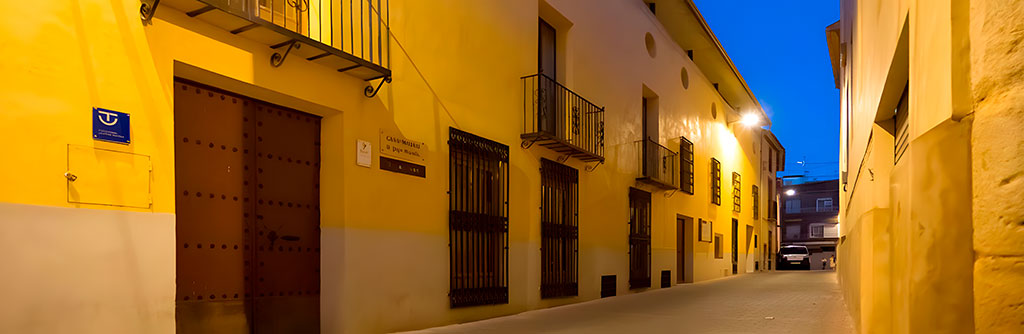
(778, 302)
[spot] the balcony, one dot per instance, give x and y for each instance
(351, 36)
(561, 120)
(801, 210)
(657, 165)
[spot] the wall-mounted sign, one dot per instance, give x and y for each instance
(112, 126)
(404, 167)
(396, 146)
(364, 150)
(705, 231)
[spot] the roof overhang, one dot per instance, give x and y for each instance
(834, 53)
(772, 140)
(714, 62)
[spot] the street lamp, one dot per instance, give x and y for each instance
(790, 192)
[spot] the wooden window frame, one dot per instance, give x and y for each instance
(686, 165)
(737, 192)
(755, 193)
(719, 251)
(716, 181)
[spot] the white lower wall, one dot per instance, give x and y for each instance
(69, 270)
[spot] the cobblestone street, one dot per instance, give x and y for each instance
(778, 302)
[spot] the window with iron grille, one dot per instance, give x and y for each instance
(686, 165)
(736, 192)
(716, 181)
(639, 238)
(757, 203)
(477, 220)
(559, 229)
(817, 231)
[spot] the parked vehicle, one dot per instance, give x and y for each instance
(794, 256)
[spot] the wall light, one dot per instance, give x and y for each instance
(790, 192)
(748, 119)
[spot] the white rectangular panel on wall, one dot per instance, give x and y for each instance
(107, 177)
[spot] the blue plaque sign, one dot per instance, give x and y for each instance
(112, 126)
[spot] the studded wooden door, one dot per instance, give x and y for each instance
(247, 208)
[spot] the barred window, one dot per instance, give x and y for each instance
(559, 230)
(757, 203)
(736, 192)
(686, 165)
(716, 181)
(639, 238)
(477, 220)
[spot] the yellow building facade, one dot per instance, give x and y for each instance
(930, 154)
(109, 236)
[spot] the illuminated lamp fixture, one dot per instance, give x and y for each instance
(748, 119)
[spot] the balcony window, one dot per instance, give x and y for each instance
(793, 206)
(824, 205)
(657, 164)
(817, 231)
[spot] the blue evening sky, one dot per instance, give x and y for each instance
(779, 48)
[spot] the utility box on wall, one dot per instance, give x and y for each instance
(106, 177)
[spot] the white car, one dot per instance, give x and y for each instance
(794, 256)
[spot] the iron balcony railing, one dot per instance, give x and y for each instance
(657, 164)
(811, 209)
(351, 36)
(558, 118)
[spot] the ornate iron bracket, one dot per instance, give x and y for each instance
(526, 144)
(370, 92)
(277, 58)
(148, 9)
(669, 194)
(592, 168)
(562, 158)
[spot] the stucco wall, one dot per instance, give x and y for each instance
(927, 259)
(384, 235)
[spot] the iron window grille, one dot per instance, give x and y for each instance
(736, 192)
(478, 220)
(716, 181)
(686, 165)
(757, 202)
(559, 230)
(639, 238)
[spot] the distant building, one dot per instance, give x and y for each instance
(809, 216)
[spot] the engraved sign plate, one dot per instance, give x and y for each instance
(397, 146)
